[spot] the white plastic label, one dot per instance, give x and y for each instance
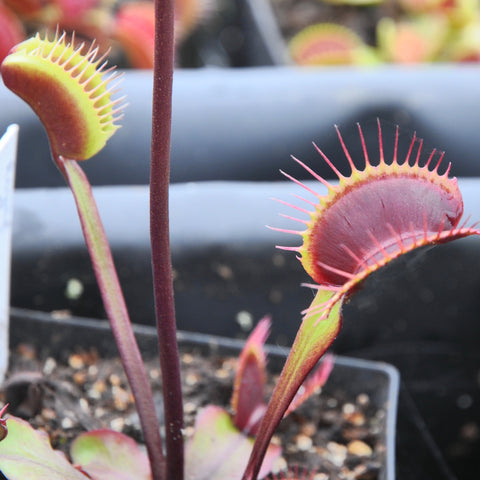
(8, 155)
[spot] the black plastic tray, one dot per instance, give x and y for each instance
(243, 124)
(55, 336)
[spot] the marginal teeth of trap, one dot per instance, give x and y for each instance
(374, 214)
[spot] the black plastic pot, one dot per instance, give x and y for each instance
(57, 337)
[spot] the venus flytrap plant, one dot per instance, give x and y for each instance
(360, 225)
(134, 28)
(221, 443)
(70, 93)
(416, 40)
(218, 435)
(330, 44)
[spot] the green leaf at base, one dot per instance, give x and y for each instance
(219, 451)
(105, 454)
(27, 453)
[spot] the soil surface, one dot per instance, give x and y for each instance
(336, 436)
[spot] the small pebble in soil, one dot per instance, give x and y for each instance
(115, 380)
(117, 424)
(356, 418)
(79, 378)
(363, 400)
(303, 442)
(222, 373)
(336, 453)
(67, 422)
(192, 379)
(245, 320)
(76, 362)
(189, 407)
(49, 366)
(359, 448)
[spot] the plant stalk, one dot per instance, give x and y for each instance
(116, 310)
(159, 232)
(313, 339)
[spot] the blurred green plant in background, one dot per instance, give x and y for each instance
(388, 31)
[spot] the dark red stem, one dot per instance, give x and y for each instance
(159, 232)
